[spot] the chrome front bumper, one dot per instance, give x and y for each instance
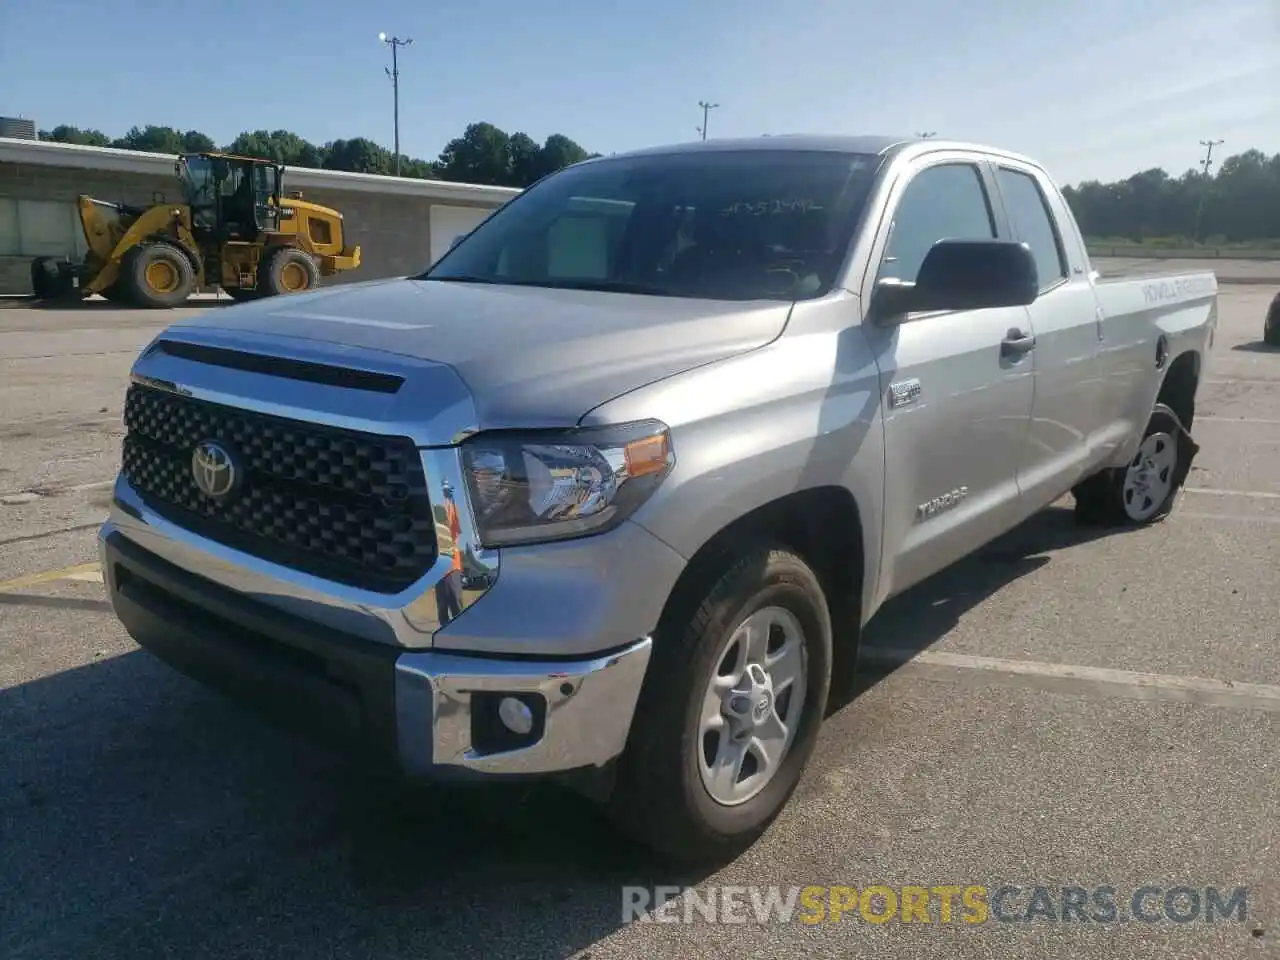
(589, 707)
(432, 713)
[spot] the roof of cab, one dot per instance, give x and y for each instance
(883, 146)
(788, 141)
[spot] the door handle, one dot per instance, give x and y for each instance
(1016, 344)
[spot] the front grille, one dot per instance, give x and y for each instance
(350, 507)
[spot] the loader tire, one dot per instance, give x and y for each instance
(157, 275)
(287, 270)
(117, 293)
(44, 277)
(1271, 326)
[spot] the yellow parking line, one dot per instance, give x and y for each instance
(85, 571)
(88, 576)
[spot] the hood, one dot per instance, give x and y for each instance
(529, 356)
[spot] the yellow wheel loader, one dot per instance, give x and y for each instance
(233, 229)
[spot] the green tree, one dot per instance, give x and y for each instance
(524, 159)
(480, 155)
(152, 138)
(193, 141)
(486, 154)
(357, 156)
(1241, 204)
(65, 134)
(280, 146)
(558, 152)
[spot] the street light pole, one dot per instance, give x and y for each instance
(706, 109)
(394, 73)
(1204, 185)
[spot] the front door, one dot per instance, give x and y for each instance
(956, 405)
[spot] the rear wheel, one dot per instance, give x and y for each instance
(730, 711)
(287, 270)
(1144, 491)
(157, 275)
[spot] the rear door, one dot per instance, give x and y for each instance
(956, 406)
(1067, 328)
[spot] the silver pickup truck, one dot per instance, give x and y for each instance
(608, 493)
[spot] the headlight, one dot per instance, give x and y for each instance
(553, 485)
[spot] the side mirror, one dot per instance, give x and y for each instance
(962, 275)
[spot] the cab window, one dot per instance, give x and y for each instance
(944, 202)
(1033, 224)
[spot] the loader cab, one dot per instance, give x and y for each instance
(231, 198)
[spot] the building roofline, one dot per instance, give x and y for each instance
(113, 159)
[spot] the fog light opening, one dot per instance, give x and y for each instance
(506, 720)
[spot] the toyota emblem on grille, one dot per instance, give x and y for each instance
(213, 469)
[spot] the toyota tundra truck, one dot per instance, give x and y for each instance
(609, 491)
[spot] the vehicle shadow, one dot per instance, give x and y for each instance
(921, 616)
(144, 816)
(1257, 346)
(187, 827)
(60, 603)
(109, 306)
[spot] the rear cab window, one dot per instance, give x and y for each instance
(1032, 221)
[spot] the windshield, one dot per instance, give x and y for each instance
(731, 225)
(197, 180)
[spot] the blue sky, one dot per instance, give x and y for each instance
(1092, 88)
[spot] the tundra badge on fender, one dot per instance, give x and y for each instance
(931, 508)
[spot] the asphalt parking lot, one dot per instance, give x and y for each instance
(1079, 709)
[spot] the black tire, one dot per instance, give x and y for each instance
(1271, 326)
(1103, 500)
(44, 277)
(659, 796)
(117, 293)
(145, 264)
(287, 270)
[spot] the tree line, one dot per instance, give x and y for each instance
(1239, 203)
(483, 154)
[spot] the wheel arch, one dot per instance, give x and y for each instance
(1179, 386)
(823, 525)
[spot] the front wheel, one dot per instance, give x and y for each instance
(730, 711)
(287, 270)
(1144, 491)
(1271, 326)
(156, 275)
(44, 277)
